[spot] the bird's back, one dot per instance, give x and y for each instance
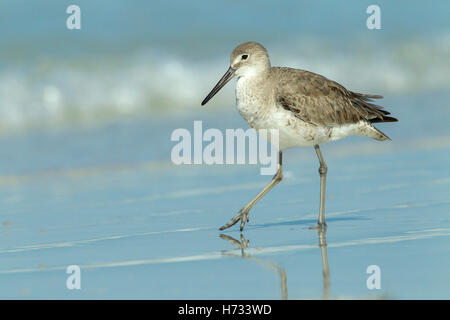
(319, 101)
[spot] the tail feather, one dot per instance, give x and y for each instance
(372, 112)
(385, 119)
(376, 134)
(381, 136)
(375, 114)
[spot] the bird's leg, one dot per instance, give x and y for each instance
(243, 214)
(321, 224)
(326, 269)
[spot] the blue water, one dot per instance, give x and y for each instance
(140, 227)
(86, 177)
(141, 58)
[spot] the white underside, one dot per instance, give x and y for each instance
(293, 132)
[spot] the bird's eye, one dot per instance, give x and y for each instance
(244, 56)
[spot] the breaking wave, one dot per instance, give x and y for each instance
(60, 91)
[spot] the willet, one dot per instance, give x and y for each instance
(306, 108)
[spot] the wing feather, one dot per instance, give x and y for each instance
(320, 101)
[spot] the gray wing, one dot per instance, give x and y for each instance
(320, 101)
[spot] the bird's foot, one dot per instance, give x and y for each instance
(320, 226)
(242, 215)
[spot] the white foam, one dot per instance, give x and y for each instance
(64, 91)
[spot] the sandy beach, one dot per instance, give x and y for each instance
(140, 227)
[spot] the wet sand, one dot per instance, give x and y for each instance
(109, 200)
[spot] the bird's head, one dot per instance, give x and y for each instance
(247, 59)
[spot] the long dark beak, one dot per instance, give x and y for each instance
(223, 81)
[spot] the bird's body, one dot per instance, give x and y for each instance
(306, 108)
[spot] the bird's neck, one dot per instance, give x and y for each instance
(251, 95)
(253, 77)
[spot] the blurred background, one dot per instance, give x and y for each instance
(85, 123)
(142, 59)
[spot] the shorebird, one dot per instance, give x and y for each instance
(307, 109)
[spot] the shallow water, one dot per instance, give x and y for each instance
(109, 200)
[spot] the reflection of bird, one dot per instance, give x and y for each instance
(243, 244)
(326, 269)
(306, 108)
